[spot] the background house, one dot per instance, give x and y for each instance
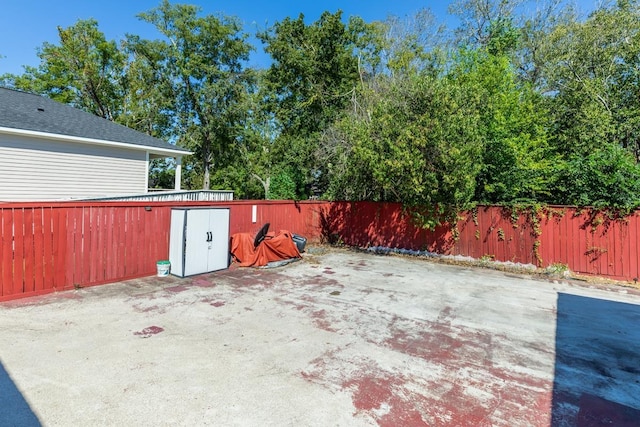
(51, 151)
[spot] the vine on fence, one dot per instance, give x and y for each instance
(531, 213)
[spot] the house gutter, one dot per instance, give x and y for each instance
(77, 139)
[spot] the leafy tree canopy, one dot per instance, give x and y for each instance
(508, 107)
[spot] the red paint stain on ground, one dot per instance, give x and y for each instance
(202, 283)
(321, 281)
(249, 277)
(309, 376)
(319, 366)
(539, 413)
(370, 393)
(395, 399)
(385, 399)
(457, 409)
(149, 331)
(146, 309)
(361, 266)
(217, 303)
(320, 320)
(411, 419)
(445, 313)
(176, 289)
(504, 390)
(429, 345)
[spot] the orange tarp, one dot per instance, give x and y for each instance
(275, 247)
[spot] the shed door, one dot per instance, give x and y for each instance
(219, 245)
(196, 245)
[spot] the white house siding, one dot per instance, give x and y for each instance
(38, 169)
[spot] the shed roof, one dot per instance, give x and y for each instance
(37, 114)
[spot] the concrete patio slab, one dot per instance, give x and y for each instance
(338, 339)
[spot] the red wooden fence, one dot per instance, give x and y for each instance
(57, 246)
(586, 241)
(46, 247)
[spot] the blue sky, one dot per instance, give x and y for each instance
(26, 24)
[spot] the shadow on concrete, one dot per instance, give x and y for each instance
(14, 409)
(597, 365)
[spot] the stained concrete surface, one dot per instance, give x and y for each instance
(338, 339)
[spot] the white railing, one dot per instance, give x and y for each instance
(173, 195)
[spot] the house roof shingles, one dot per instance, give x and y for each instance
(26, 111)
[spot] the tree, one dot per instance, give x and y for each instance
(253, 168)
(414, 141)
(448, 131)
(592, 82)
(480, 19)
(310, 82)
(608, 177)
(534, 56)
(199, 67)
(149, 102)
(411, 44)
(85, 70)
(161, 174)
(516, 161)
(595, 80)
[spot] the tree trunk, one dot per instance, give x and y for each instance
(206, 163)
(206, 179)
(265, 184)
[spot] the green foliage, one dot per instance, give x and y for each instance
(313, 71)
(516, 159)
(470, 130)
(504, 109)
(84, 70)
(237, 177)
(416, 142)
(606, 177)
(468, 134)
(161, 174)
(283, 186)
(503, 37)
(308, 85)
(198, 75)
(558, 269)
(595, 80)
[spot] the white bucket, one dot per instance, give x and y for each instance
(163, 268)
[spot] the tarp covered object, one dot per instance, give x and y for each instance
(276, 246)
